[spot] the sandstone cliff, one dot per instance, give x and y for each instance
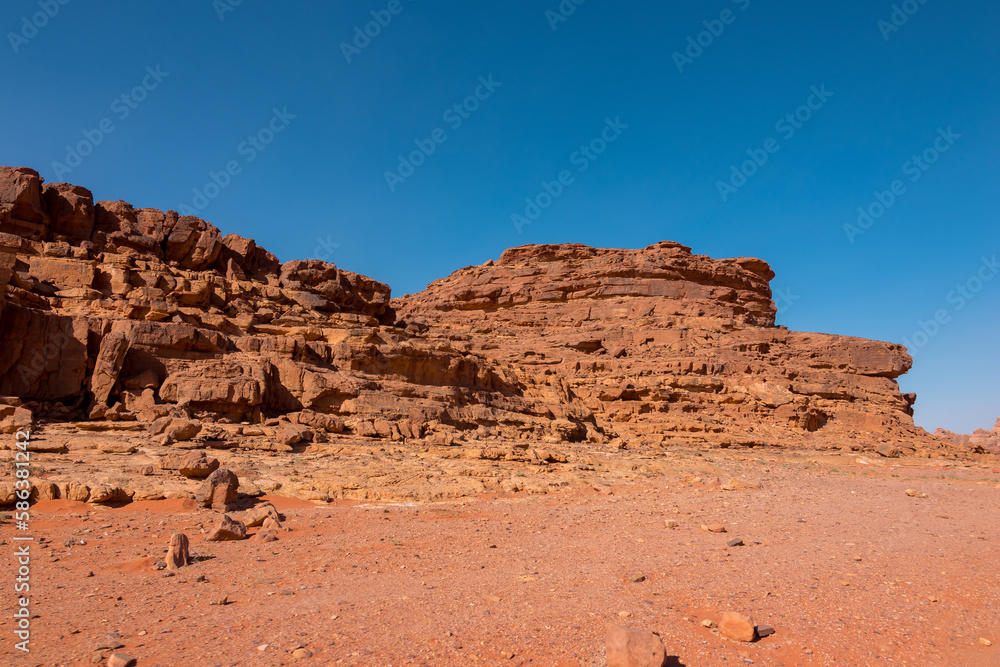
(112, 312)
(108, 312)
(665, 346)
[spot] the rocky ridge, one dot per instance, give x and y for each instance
(130, 333)
(664, 346)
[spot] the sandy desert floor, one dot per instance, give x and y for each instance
(848, 569)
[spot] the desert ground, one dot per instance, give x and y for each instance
(853, 559)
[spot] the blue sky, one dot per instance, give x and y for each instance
(309, 129)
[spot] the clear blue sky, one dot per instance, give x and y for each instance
(319, 188)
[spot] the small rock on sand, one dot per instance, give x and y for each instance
(120, 660)
(633, 648)
(737, 626)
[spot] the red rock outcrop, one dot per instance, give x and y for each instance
(979, 441)
(112, 312)
(108, 312)
(666, 346)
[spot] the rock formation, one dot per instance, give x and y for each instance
(178, 554)
(110, 313)
(979, 441)
(665, 346)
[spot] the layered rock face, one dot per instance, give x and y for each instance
(979, 441)
(665, 346)
(112, 313)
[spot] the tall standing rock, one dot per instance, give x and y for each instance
(114, 347)
(177, 554)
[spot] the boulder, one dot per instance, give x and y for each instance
(177, 429)
(227, 529)
(71, 210)
(193, 243)
(633, 648)
(219, 490)
(22, 210)
(738, 627)
(256, 515)
(193, 465)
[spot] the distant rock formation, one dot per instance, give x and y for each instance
(108, 312)
(979, 441)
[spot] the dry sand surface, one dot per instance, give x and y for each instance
(847, 568)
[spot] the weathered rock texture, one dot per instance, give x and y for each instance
(633, 648)
(178, 554)
(979, 441)
(661, 345)
(110, 313)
